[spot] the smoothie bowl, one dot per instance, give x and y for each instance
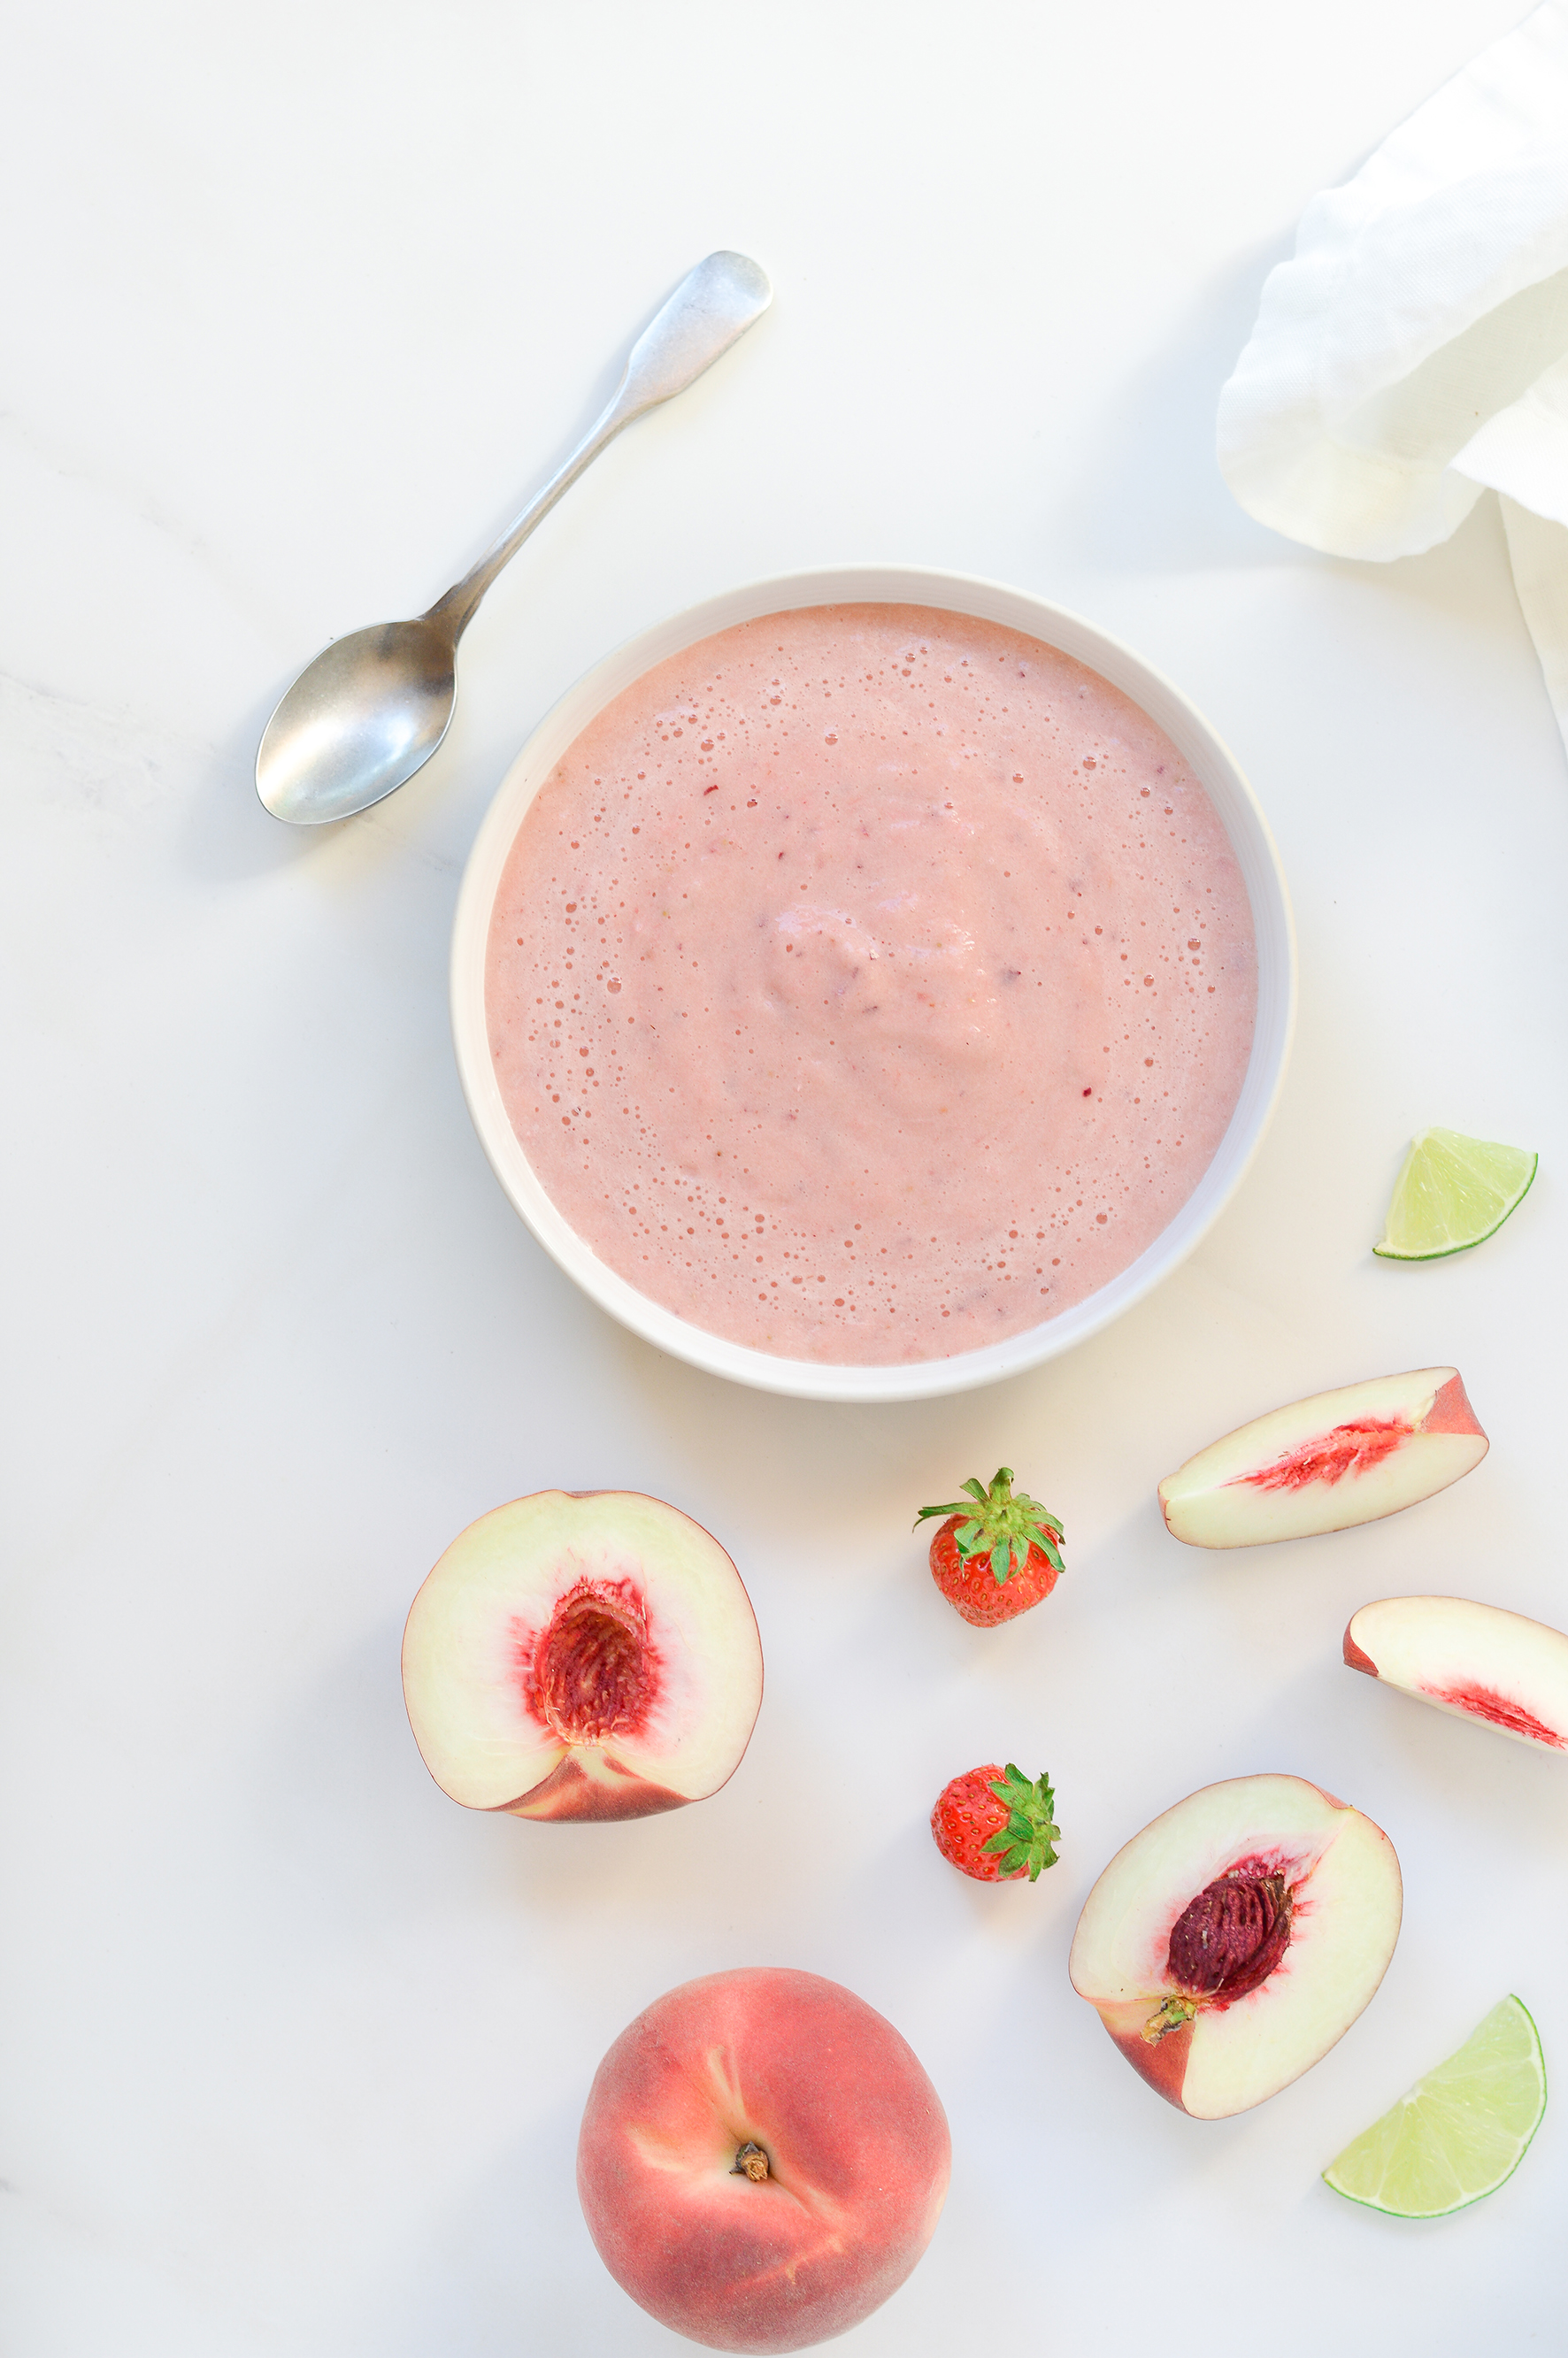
(870, 982)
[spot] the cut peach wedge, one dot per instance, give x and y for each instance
(1475, 1661)
(582, 1654)
(1230, 1944)
(1322, 1464)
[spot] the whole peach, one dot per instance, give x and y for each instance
(762, 2160)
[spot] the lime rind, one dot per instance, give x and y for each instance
(1453, 1192)
(1458, 2133)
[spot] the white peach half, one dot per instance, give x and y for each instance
(761, 2160)
(1475, 1661)
(1320, 1464)
(588, 1654)
(1228, 1945)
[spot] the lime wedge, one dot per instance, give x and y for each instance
(1453, 1192)
(1459, 2132)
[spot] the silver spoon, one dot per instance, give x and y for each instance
(371, 709)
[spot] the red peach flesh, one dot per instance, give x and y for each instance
(1486, 1702)
(593, 1675)
(1352, 1448)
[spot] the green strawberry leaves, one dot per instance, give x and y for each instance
(1027, 1838)
(1001, 1526)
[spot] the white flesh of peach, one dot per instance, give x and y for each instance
(1320, 1464)
(1475, 1661)
(484, 1639)
(1345, 1898)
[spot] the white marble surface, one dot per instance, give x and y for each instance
(300, 302)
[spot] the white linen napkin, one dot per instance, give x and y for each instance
(1415, 349)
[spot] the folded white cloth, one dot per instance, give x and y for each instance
(1415, 349)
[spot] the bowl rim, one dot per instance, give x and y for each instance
(978, 599)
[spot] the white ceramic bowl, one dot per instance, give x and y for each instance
(881, 585)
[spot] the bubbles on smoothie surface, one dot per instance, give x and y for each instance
(866, 983)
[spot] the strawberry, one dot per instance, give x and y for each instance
(995, 1825)
(997, 1557)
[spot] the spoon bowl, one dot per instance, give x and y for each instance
(359, 721)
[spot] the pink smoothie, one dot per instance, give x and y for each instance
(869, 983)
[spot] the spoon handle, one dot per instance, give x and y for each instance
(712, 306)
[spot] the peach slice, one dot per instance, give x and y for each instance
(1475, 1661)
(1230, 1944)
(1321, 1465)
(582, 1654)
(761, 2160)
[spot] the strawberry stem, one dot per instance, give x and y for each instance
(1000, 1525)
(1030, 1833)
